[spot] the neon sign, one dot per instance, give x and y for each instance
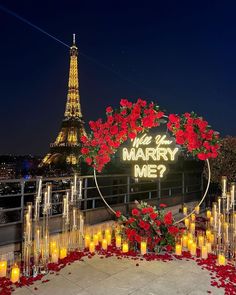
(149, 154)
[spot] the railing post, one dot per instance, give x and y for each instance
(128, 189)
(85, 193)
(159, 188)
(183, 187)
(22, 192)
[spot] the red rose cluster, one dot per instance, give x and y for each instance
(148, 222)
(194, 133)
(106, 137)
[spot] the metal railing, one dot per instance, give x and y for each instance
(117, 189)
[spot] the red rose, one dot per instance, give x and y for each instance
(84, 151)
(135, 212)
(173, 230)
(137, 238)
(153, 216)
(88, 161)
(109, 109)
(114, 130)
(118, 214)
(168, 218)
(130, 220)
(173, 118)
(168, 248)
(202, 156)
(146, 226)
(132, 135)
(158, 223)
(144, 210)
(84, 139)
(162, 206)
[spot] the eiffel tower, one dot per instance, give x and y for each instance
(65, 151)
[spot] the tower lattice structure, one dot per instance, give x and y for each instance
(66, 148)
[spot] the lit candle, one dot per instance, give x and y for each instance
(80, 188)
(86, 241)
(208, 233)
(193, 217)
(186, 222)
(63, 253)
(178, 249)
(208, 214)
(107, 232)
(232, 192)
(54, 256)
(3, 268)
(81, 224)
(226, 226)
(192, 227)
(95, 239)
(15, 274)
(104, 244)
(190, 241)
(193, 249)
(143, 247)
(108, 239)
(118, 241)
(185, 210)
(208, 245)
(185, 241)
(224, 184)
(212, 238)
(197, 209)
(92, 247)
(99, 233)
(52, 246)
(219, 227)
(125, 247)
(200, 241)
(227, 202)
(221, 259)
(219, 206)
(204, 253)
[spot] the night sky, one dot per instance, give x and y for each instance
(182, 54)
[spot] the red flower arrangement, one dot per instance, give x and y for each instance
(151, 223)
(133, 118)
(195, 134)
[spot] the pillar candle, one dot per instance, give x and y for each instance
(193, 249)
(92, 247)
(178, 249)
(197, 209)
(107, 232)
(108, 239)
(63, 253)
(15, 274)
(208, 214)
(221, 259)
(208, 245)
(99, 236)
(232, 192)
(212, 238)
(190, 241)
(208, 233)
(200, 241)
(118, 241)
(54, 255)
(95, 239)
(227, 202)
(204, 253)
(185, 210)
(211, 220)
(192, 227)
(3, 268)
(53, 245)
(186, 222)
(104, 244)
(143, 247)
(125, 247)
(185, 241)
(224, 184)
(219, 206)
(193, 217)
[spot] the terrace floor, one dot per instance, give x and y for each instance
(107, 276)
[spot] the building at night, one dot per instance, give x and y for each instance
(65, 150)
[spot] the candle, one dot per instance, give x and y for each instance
(190, 242)
(204, 253)
(193, 249)
(80, 188)
(52, 246)
(125, 247)
(193, 217)
(54, 256)
(208, 214)
(212, 238)
(178, 249)
(108, 239)
(232, 192)
(208, 233)
(200, 241)
(104, 244)
(224, 184)
(208, 245)
(143, 247)
(219, 206)
(92, 247)
(3, 268)
(63, 253)
(118, 241)
(15, 274)
(211, 220)
(185, 210)
(226, 226)
(185, 241)
(86, 241)
(219, 228)
(197, 209)
(95, 239)
(81, 224)
(186, 222)
(192, 227)
(227, 202)
(221, 259)
(99, 236)
(107, 232)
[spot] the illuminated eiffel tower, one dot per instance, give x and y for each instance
(66, 148)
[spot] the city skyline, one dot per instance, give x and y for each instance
(184, 56)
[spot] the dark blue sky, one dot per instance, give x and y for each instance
(180, 53)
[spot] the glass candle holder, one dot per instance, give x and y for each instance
(178, 249)
(118, 241)
(3, 266)
(143, 246)
(125, 247)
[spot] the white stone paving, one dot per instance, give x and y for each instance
(112, 276)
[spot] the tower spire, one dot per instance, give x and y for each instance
(73, 109)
